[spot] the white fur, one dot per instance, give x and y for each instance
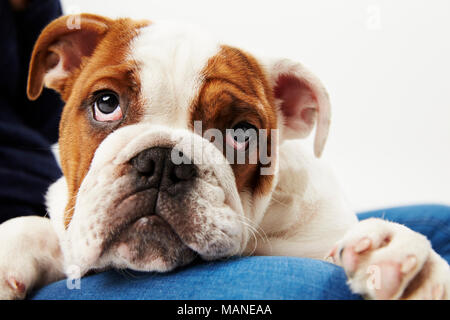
(307, 196)
(29, 256)
(171, 58)
(56, 201)
(56, 74)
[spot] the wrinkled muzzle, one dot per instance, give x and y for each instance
(153, 199)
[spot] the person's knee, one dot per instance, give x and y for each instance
(243, 278)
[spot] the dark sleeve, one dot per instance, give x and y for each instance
(44, 113)
(27, 128)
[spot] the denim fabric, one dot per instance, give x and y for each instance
(244, 278)
(251, 277)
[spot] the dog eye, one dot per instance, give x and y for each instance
(241, 134)
(243, 131)
(107, 107)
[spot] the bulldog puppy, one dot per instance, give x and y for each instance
(174, 146)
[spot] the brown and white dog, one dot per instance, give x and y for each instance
(145, 188)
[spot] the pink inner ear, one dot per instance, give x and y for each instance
(298, 103)
(72, 47)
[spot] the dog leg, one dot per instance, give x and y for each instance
(30, 256)
(386, 260)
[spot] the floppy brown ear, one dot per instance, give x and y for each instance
(60, 49)
(303, 101)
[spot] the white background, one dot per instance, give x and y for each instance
(386, 65)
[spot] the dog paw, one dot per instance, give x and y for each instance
(30, 256)
(12, 287)
(385, 260)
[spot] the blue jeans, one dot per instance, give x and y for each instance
(251, 277)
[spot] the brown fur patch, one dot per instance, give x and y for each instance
(236, 89)
(58, 41)
(107, 69)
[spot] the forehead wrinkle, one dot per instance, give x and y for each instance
(234, 65)
(224, 81)
(210, 95)
(118, 76)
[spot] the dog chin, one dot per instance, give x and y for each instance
(150, 244)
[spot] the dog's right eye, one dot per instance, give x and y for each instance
(107, 107)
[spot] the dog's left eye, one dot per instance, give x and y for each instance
(107, 107)
(241, 134)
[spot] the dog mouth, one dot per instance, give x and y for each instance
(138, 204)
(143, 240)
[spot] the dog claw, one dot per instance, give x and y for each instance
(362, 245)
(330, 256)
(437, 293)
(16, 285)
(409, 264)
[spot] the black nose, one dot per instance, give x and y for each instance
(156, 166)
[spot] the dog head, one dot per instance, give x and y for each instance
(168, 139)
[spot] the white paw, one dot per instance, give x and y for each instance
(29, 256)
(385, 260)
(11, 287)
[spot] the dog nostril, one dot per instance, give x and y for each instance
(184, 172)
(143, 164)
